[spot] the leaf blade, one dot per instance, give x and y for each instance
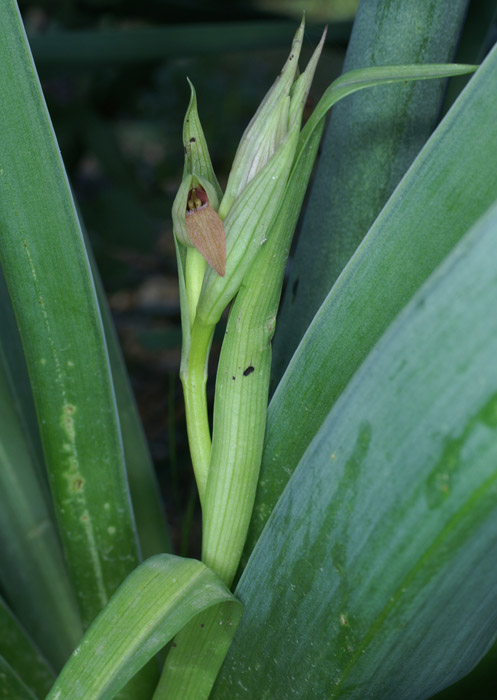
(62, 335)
(156, 601)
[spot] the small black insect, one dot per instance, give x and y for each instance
(248, 371)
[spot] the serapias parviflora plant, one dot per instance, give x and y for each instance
(232, 247)
(236, 245)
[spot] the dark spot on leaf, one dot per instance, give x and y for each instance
(78, 484)
(248, 371)
(192, 140)
(233, 378)
(202, 625)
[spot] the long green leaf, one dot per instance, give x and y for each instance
(449, 185)
(159, 598)
(33, 575)
(375, 576)
(47, 271)
(22, 657)
(371, 140)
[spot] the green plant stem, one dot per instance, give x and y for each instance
(239, 423)
(194, 378)
(200, 645)
(240, 406)
(240, 409)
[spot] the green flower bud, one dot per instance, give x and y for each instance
(254, 193)
(198, 229)
(258, 178)
(266, 131)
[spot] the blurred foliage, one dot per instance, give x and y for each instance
(316, 10)
(118, 120)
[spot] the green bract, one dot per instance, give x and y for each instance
(255, 186)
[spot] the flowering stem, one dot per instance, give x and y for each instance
(193, 378)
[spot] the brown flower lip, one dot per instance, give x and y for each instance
(205, 229)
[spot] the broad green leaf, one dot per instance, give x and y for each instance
(448, 186)
(18, 653)
(92, 48)
(33, 575)
(46, 267)
(375, 575)
(154, 603)
(371, 140)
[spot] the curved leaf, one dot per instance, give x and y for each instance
(447, 188)
(156, 601)
(375, 575)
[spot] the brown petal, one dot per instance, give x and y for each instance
(205, 230)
